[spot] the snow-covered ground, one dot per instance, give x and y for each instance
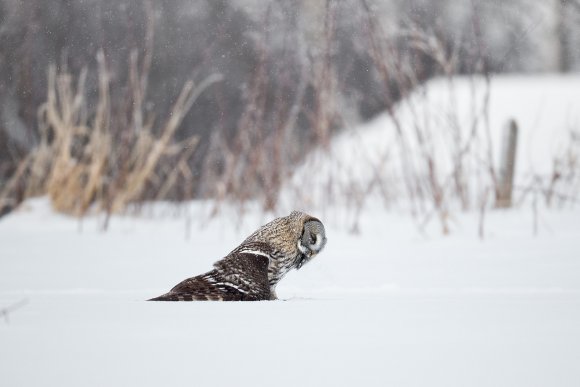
(394, 305)
(388, 307)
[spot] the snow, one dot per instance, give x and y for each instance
(388, 307)
(396, 304)
(546, 109)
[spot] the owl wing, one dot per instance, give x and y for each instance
(201, 288)
(241, 276)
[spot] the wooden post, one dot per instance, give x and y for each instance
(503, 197)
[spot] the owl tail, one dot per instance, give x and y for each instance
(172, 297)
(183, 297)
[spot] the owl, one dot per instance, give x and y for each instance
(254, 268)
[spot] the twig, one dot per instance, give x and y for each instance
(482, 209)
(5, 312)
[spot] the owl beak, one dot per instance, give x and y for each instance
(302, 259)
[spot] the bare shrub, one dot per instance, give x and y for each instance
(84, 160)
(295, 74)
(440, 161)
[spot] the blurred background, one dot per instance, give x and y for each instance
(438, 141)
(107, 103)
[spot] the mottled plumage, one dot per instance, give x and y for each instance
(253, 269)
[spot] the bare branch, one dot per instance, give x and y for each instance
(5, 312)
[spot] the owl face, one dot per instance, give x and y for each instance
(311, 242)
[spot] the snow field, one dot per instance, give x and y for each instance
(395, 305)
(388, 307)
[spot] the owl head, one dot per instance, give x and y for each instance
(297, 238)
(311, 242)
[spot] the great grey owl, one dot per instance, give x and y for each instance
(254, 268)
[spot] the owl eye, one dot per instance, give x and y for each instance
(312, 239)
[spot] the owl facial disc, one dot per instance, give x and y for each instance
(312, 241)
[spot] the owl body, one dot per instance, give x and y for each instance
(253, 269)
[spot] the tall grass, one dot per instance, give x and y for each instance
(86, 161)
(103, 152)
